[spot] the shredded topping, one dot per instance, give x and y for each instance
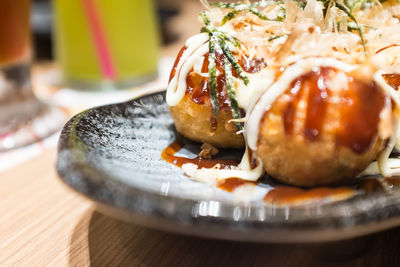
(292, 36)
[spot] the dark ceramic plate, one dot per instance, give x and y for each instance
(111, 154)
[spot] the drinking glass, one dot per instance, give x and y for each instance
(104, 44)
(23, 118)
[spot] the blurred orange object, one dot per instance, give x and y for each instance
(24, 119)
(14, 31)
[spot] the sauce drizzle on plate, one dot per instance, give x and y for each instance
(287, 195)
(231, 184)
(280, 195)
(168, 154)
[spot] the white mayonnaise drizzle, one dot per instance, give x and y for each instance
(384, 155)
(280, 86)
(196, 46)
(259, 82)
(384, 165)
(392, 165)
(256, 98)
(212, 175)
(193, 57)
(386, 87)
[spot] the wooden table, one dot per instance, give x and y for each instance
(43, 223)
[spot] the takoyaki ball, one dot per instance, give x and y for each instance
(195, 121)
(193, 115)
(328, 126)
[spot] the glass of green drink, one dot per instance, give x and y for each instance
(105, 44)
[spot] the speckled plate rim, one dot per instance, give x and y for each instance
(253, 222)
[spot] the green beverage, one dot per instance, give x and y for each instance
(111, 41)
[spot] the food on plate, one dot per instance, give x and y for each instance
(201, 94)
(309, 88)
(333, 119)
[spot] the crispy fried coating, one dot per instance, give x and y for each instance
(334, 139)
(194, 122)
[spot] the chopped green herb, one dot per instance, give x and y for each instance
(220, 40)
(232, 60)
(229, 16)
(212, 71)
(275, 37)
(231, 93)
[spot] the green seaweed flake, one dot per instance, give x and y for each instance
(212, 72)
(221, 40)
(232, 60)
(231, 93)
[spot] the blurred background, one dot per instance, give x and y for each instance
(60, 57)
(173, 25)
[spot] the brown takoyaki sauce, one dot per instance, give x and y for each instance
(168, 154)
(251, 158)
(315, 82)
(252, 65)
(285, 195)
(316, 103)
(289, 112)
(178, 58)
(394, 180)
(392, 79)
(233, 183)
(371, 185)
(198, 84)
(359, 107)
(280, 195)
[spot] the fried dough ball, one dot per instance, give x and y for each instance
(327, 127)
(193, 115)
(193, 121)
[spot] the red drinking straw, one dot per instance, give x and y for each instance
(99, 37)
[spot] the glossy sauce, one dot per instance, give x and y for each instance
(229, 184)
(316, 103)
(360, 109)
(280, 195)
(369, 185)
(178, 58)
(252, 160)
(394, 180)
(233, 183)
(251, 65)
(372, 185)
(290, 111)
(168, 154)
(392, 79)
(197, 85)
(285, 195)
(315, 83)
